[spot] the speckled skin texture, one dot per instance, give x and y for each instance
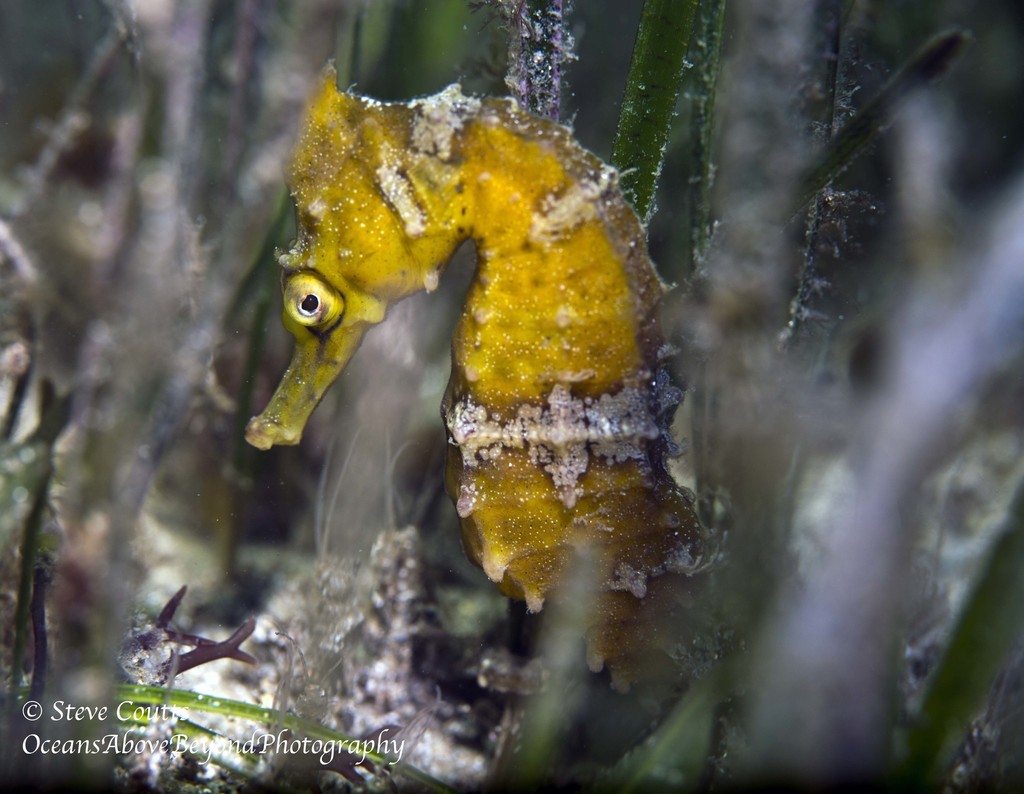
(556, 410)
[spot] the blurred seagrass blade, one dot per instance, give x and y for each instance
(649, 100)
(706, 49)
(257, 289)
(544, 725)
(36, 457)
(677, 753)
(989, 625)
(829, 22)
(927, 65)
(824, 711)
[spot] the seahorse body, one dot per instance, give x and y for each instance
(556, 411)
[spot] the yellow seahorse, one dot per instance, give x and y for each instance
(556, 411)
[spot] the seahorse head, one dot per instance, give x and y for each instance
(370, 215)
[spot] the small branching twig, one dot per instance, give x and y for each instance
(211, 650)
(205, 650)
(136, 654)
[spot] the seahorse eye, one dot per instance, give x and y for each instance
(311, 301)
(309, 305)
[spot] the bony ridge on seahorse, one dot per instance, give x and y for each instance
(557, 411)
